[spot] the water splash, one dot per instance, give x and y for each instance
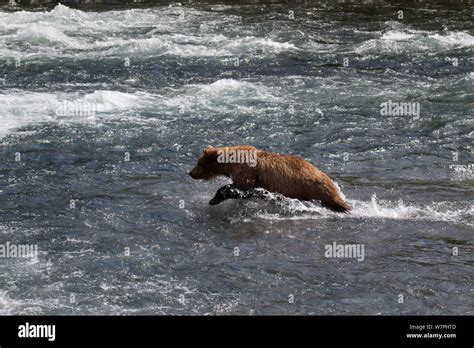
(294, 209)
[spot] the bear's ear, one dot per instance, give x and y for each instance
(208, 149)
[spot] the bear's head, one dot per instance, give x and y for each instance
(207, 166)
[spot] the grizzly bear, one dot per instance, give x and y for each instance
(249, 168)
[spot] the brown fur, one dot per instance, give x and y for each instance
(291, 176)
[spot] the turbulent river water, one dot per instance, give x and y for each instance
(104, 112)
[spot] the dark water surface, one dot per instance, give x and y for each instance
(81, 89)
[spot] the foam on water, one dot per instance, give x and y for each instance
(115, 101)
(8, 306)
(169, 31)
(232, 87)
(41, 34)
(395, 35)
(463, 171)
(222, 96)
(23, 108)
(197, 46)
(171, 295)
(395, 41)
(375, 208)
(172, 31)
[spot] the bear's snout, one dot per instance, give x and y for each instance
(195, 173)
(199, 172)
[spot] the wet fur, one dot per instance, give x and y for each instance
(291, 176)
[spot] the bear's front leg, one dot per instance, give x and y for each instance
(227, 192)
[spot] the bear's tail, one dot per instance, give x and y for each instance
(337, 205)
